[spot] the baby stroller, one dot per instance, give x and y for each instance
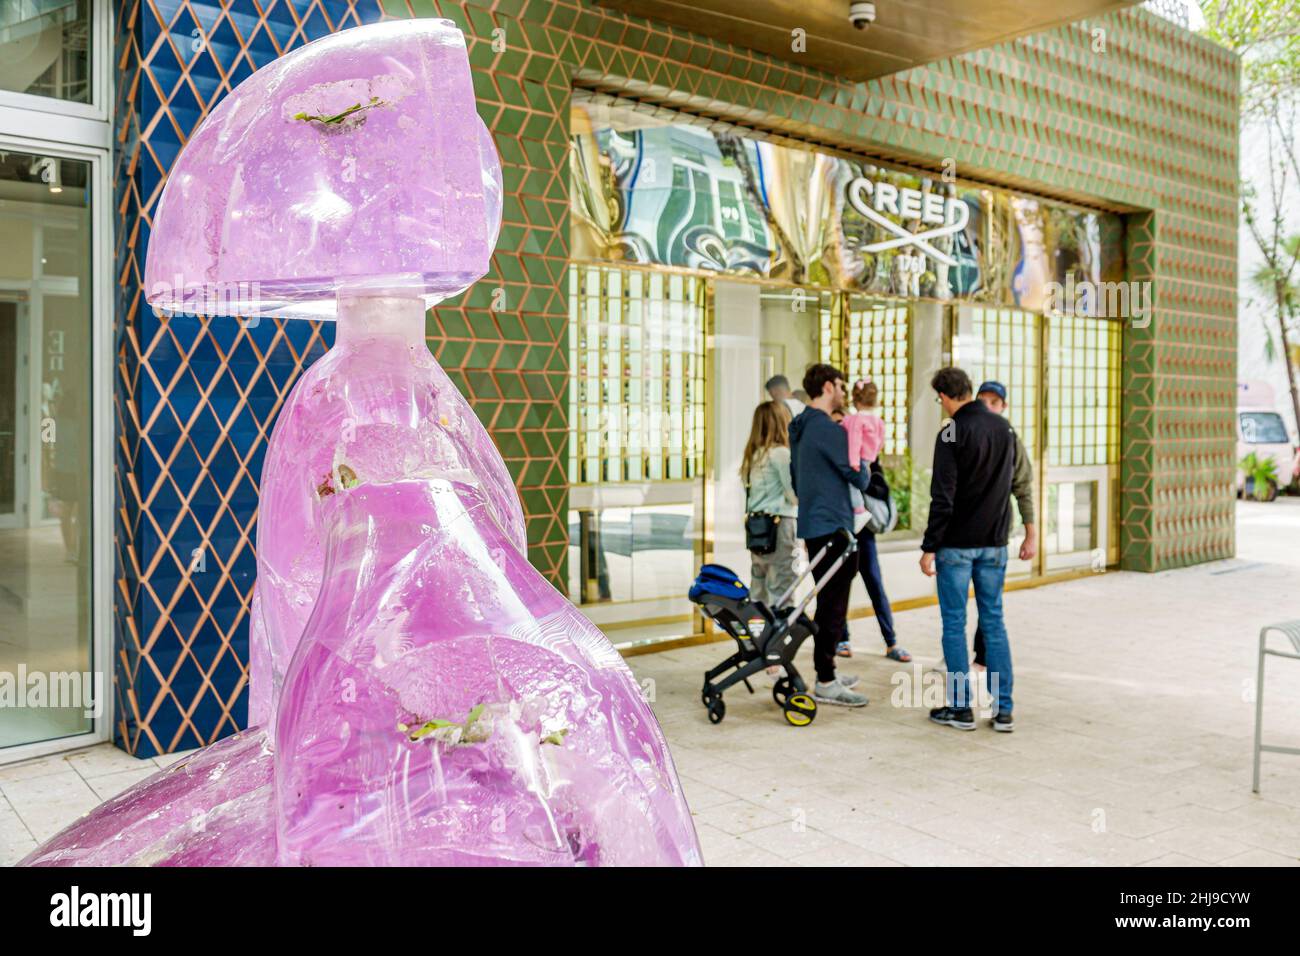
(765, 636)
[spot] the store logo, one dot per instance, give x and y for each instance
(947, 214)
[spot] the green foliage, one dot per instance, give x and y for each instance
(1266, 33)
(898, 473)
(338, 117)
(1260, 473)
(471, 730)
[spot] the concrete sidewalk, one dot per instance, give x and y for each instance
(1134, 717)
(1134, 725)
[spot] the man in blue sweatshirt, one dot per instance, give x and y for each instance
(820, 474)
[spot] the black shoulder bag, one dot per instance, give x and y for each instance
(760, 529)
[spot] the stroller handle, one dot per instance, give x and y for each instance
(789, 592)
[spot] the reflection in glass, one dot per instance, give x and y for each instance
(636, 393)
(1263, 428)
(45, 448)
(1001, 345)
(45, 48)
(632, 554)
(1071, 517)
(636, 434)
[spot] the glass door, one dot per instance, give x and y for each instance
(47, 464)
(1083, 435)
(1003, 345)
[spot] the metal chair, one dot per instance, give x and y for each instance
(1292, 630)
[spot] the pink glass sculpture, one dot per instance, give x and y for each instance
(421, 695)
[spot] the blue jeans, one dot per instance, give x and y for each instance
(956, 568)
(869, 568)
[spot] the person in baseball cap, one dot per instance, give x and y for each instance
(994, 395)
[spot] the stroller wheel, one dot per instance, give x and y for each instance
(782, 690)
(717, 710)
(800, 710)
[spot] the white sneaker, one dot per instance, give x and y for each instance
(837, 693)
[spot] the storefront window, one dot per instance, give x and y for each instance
(1083, 438)
(636, 432)
(45, 447)
(1071, 525)
(1083, 391)
(45, 48)
(807, 255)
(876, 336)
(1001, 345)
(636, 345)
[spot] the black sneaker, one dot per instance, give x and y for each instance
(1003, 723)
(959, 717)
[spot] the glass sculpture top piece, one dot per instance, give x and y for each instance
(355, 164)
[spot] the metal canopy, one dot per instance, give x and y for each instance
(906, 33)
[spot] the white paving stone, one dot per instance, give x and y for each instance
(48, 803)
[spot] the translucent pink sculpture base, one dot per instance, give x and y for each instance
(214, 808)
(442, 704)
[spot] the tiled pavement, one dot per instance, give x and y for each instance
(40, 797)
(1133, 743)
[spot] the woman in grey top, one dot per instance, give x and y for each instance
(765, 472)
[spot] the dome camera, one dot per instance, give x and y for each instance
(862, 15)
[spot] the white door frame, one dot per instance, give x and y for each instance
(101, 536)
(19, 293)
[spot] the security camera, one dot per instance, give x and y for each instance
(862, 15)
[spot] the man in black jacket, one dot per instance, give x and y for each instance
(966, 541)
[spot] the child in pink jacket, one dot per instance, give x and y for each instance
(866, 432)
(866, 437)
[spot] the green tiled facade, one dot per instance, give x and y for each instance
(1128, 112)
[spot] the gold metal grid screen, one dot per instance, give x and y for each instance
(1083, 391)
(876, 336)
(830, 328)
(1002, 345)
(636, 395)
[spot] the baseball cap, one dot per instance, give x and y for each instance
(997, 388)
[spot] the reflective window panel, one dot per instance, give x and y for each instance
(45, 48)
(45, 449)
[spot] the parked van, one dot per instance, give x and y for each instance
(1260, 429)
